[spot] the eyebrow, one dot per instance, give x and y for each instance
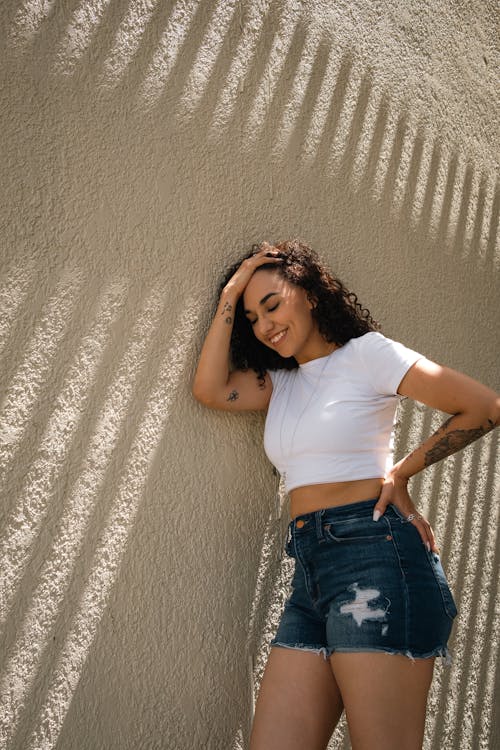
(264, 299)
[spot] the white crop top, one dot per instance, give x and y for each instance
(332, 418)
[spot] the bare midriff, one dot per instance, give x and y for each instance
(313, 497)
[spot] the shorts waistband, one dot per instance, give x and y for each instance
(313, 520)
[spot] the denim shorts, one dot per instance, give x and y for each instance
(364, 585)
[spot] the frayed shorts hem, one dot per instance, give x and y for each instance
(441, 651)
(305, 647)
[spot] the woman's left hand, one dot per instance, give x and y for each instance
(395, 492)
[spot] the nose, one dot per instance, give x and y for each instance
(265, 326)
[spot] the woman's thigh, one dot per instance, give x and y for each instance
(385, 698)
(299, 703)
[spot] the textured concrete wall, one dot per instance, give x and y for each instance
(145, 145)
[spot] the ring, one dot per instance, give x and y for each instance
(410, 517)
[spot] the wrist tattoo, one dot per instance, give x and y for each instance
(227, 308)
(233, 396)
(228, 320)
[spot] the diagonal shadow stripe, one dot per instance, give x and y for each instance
(113, 540)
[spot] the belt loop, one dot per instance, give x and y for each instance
(319, 525)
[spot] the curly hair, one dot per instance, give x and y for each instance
(339, 315)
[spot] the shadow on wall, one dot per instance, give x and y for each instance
(141, 110)
(245, 80)
(460, 499)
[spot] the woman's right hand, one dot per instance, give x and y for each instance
(238, 281)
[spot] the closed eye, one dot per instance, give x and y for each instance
(269, 309)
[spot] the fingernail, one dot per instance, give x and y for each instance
(376, 515)
(427, 544)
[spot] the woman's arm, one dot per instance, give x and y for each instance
(475, 410)
(213, 384)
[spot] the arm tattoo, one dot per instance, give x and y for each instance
(229, 320)
(454, 441)
(233, 396)
(227, 308)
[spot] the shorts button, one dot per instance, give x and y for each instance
(388, 537)
(300, 523)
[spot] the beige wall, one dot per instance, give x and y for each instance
(146, 145)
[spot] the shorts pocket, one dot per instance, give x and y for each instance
(401, 517)
(357, 531)
(439, 574)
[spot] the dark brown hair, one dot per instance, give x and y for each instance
(339, 315)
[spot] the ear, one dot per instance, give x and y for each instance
(311, 301)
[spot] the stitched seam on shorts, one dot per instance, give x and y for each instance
(308, 582)
(405, 583)
(439, 585)
(304, 570)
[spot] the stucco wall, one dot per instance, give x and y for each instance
(145, 146)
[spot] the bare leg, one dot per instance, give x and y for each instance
(299, 703)
(385, 698)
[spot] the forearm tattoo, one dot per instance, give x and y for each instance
(233, 396)
(226, 309)
(454, 440)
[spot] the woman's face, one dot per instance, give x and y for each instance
(280, 315)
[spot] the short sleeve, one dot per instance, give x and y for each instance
(276, 376)
(279, 378)
(272, 374)
(385, 361)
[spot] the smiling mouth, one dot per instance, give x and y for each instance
(278, 337)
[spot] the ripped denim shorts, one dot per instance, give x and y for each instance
(361, 585)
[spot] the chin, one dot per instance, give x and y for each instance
(285, 354)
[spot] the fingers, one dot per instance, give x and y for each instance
(412, 516)
(265, 254)
(425, 530)
(264, 247)
(268, 258)
(244, 272)
(261, 257)
(382, 502)
(379, 510)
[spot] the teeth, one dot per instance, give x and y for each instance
(278, 337)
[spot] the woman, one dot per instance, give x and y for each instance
(370, 607)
